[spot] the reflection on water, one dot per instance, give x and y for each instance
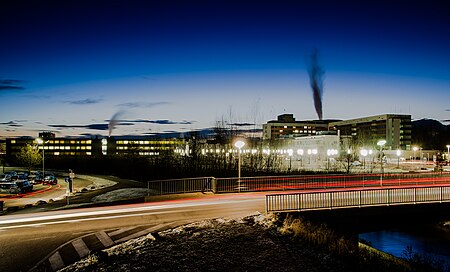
(428, 241)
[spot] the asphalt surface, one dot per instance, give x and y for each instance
(28, 239)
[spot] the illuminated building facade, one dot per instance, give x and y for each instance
(287, 127)
(97, 146)
(394, 128)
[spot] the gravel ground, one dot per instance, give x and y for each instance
(249, 244)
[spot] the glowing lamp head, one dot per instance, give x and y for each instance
(381, 142)
(239, 144)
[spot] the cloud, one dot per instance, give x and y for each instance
(241, 124)
(86, 101)
(11, 124)
(141, 104)
(159, 122)
(11, 85)
(90, 126)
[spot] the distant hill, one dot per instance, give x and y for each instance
(430, 134)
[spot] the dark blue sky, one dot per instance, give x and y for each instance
(77, 63)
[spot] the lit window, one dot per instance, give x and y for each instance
(67, 147)
(281, 130)
(83, 148)
(56, 153)
(83, 142)
(62, 141)
(125, 142)
(89, 142)
(56, 142)
(88, 153)
(89, 147)
(72, 142)
(13, 141)
(285, 126)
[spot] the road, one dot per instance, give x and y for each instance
(26, 239)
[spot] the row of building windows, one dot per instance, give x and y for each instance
(146, 142)
(51, 147)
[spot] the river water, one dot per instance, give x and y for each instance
(428, 240)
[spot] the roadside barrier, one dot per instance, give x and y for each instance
(299, 182)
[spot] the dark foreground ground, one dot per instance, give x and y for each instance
(254, 243)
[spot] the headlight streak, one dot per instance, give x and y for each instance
(75, 215)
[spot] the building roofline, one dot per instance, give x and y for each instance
(370, 119)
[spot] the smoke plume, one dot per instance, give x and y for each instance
(316, 81)
(114, 121)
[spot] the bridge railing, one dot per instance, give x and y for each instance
(283, 183)
(356, 198)
(181, 186)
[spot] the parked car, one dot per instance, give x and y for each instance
(11, 173)
(35, 177)
(50, 179)
(5, 178)
(22, 175)
(9, 188)
(24, 186)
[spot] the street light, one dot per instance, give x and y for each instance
(381, 143)
(42, 142)
(239, 144)
(399, 152)
(364, 153)
(415, 148)
(448, 152)
(300, 152)
(290, 153)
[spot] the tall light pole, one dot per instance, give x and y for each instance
(448, 152)
(415, 148)
(42, 142)
(239, 144)
(290, 153)
(399, 152)
(381, 144)
(300, 152)
(364, 153)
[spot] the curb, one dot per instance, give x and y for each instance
(54, 261)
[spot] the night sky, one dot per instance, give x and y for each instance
(162, 66)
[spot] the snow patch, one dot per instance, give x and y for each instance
(121, 194)
(97, 182)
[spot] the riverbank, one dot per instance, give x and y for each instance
(252, 243)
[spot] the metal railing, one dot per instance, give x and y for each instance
(181, 186)
(284, 183)
(356, 198)
(307, 182)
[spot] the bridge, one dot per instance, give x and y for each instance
(352, 198)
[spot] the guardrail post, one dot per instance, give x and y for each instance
(387, 197)
(415, 201)
(331, 201)
(359, 204)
